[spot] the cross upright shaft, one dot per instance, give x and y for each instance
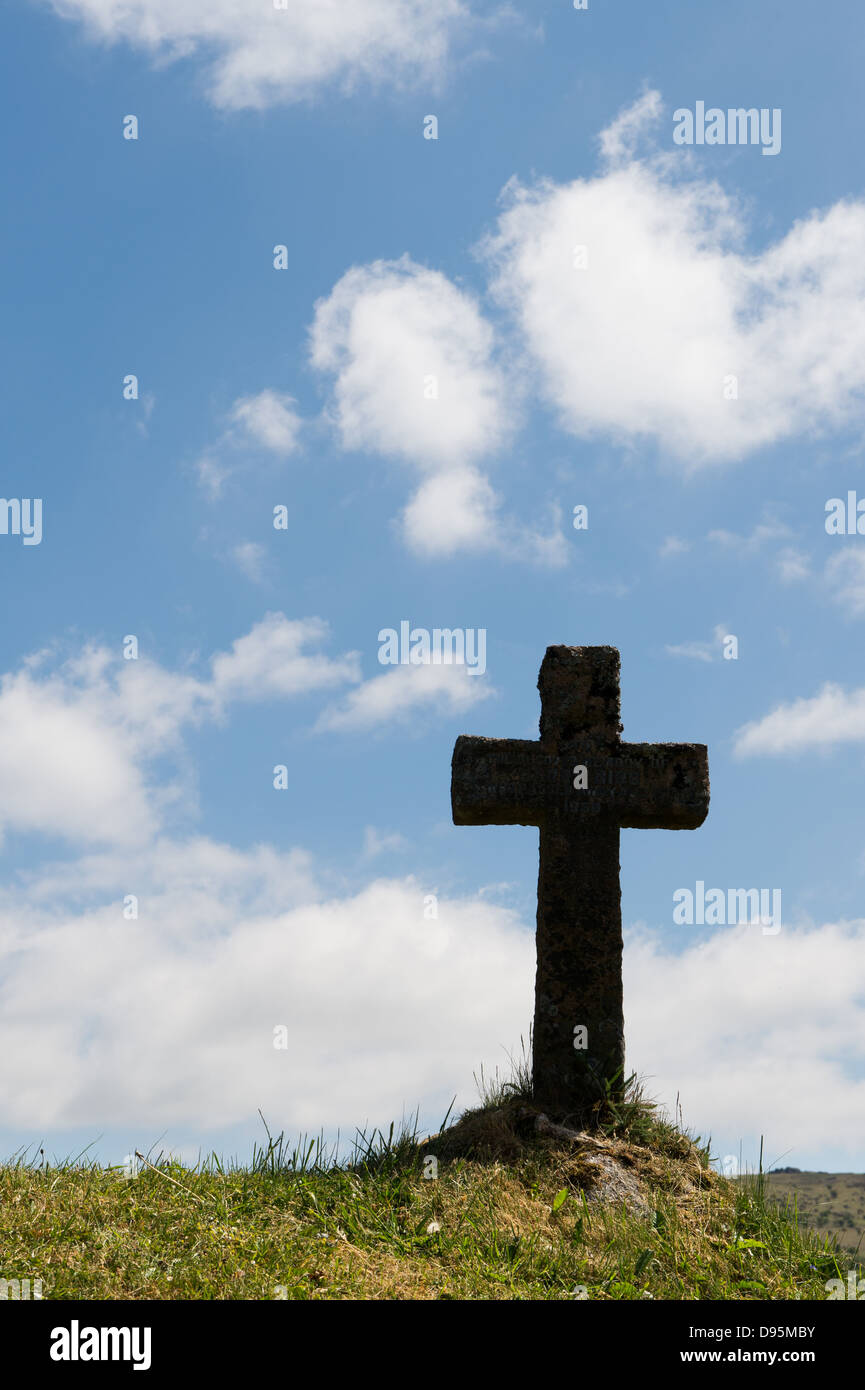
(579, 784)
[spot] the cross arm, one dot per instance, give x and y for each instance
(510, 781)
(498, 781)
(670, 789)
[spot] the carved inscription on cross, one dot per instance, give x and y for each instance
(579, 785)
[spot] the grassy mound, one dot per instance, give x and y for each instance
(500, 1205)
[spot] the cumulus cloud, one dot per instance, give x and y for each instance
(78, 741)
(628, 302)
(167, 1022)
(267, 420)
(831, 717)
(75, 742)
(417, 379)
(67, 767)
(459, 510)
(270, 418)
(256, 54)
(454, 510)
(664, 327)
(271, 661)
(753, 1047)
(413, 359)
(404, 690)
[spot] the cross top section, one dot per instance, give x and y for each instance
(513, 781)
(580, 699)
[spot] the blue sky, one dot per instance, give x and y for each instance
(303, 387)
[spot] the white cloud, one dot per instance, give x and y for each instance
(845, 576)
(78, 742)
(699, 651)
(792, 565)
(619, 141)
(640, 342)
(648, 339)
(270, 661)
(459, 510)
(702, 651)
(414, 364)
(673, 545)
(377, 842)
(453, 510)
(170, 869)
(269, 418)
(67, 767)
(831, 717)
(212, 474)
(754, 540)
(754, 1046)
(249, 557)
(645, 341)
(403, 690)
(416, 379)
(169, 1020)
(146, 407)
(256, 55)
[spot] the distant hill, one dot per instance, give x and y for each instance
(829, 1203)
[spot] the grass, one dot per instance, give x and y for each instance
(510, 1215)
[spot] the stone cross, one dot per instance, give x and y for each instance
(579, 785)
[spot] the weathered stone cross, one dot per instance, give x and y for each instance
(579, 784)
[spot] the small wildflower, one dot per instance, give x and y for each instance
(433, 1228)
